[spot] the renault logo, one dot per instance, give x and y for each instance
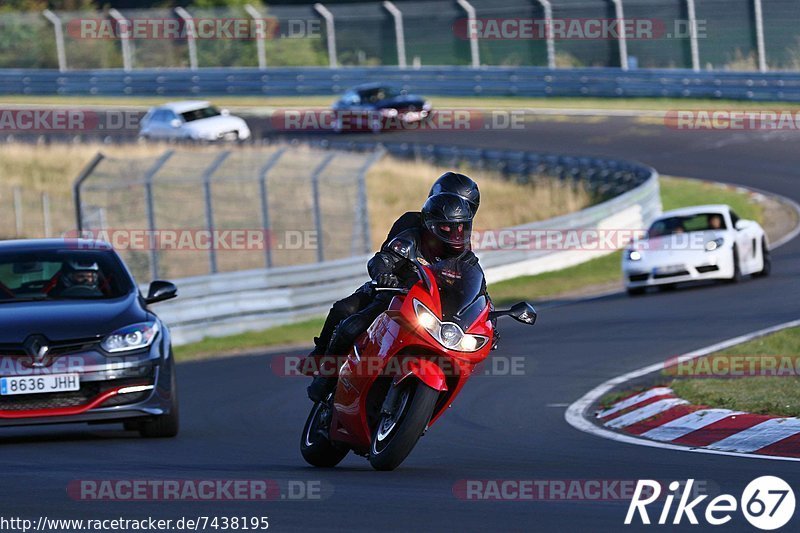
(36, 346)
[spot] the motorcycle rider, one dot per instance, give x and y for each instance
(444, 234)
(449, 182)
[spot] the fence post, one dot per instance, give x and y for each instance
(190, 35)
(46, 214)
(762, 53)
(76, 187)
(330, 30)
(262, 187)
(151, 212)
(693, 45)
(59, 34)
(548, 27)
(207, 174)
(317, 208)
(124, 30)
(399, 33)
(18, 225)
(261, 35)
(622, 42)
(471, 31)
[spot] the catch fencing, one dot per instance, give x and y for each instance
(692, 34)
(193, 212)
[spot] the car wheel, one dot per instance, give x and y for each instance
(737, 271)
(167, 425)
(635, 291)
(766, 269)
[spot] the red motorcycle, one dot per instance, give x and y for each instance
(407, 368)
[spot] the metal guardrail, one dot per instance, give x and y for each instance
(230, 303)
(443, 81)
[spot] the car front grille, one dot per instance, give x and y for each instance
(671, 274)
(56, 348)
(707, 268)
(638, 277)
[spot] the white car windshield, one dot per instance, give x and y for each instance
(687, 224)
(198, 114)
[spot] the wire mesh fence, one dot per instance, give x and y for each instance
(189, 213)
(563, 33)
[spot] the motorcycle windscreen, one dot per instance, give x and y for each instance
(460, 291)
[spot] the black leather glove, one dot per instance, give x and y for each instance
(495, 338)
(387, 281)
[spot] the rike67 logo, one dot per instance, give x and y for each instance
(767, 503)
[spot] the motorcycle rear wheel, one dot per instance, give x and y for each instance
(315, 446)
(396, 435)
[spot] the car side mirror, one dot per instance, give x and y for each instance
(175, 123)
(161, 290)
(224, 112)
(742, 224)
(521, 312)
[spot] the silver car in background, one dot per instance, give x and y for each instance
(192, 120)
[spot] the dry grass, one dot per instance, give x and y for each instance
(395, 186)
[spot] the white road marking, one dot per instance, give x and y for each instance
(684, 425)
(577, 415)
(643, 413)
(758, 436)
(633, 400)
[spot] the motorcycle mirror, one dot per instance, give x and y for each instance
(521, 312)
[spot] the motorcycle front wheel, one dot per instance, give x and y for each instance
(316, 447)
(396, 435)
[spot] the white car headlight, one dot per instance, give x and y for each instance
(448, 334)
(388, 112)
(133, 337)
(634, 255)
(713, 245)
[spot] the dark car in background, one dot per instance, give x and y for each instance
(376, 106)
(78, 342)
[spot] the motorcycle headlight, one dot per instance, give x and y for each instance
(448, 334)
(713, 245)
(133, 337)
(634, 255)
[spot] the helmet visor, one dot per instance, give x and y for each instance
(456, 233)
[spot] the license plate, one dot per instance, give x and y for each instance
(668, 269)
(39, 384)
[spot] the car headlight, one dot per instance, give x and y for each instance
(389, 112)
(634, 255)
(448, 334)
(133, 337)
(713, 245)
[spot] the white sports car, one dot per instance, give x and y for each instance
(192, 120)
(696, 243)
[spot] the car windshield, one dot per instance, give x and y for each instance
(377, 94)
(460, 290)
(687, 224)
(61, 275)
(197, 114)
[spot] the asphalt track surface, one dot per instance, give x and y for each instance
(242, 421)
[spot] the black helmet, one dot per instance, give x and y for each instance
(448, 218)
(459, 184)
(81, 272)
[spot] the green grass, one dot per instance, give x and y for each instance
(675, 192)
(654, 104)
(761, 395)
(300, 332)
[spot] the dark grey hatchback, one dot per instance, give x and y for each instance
(78, 342)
